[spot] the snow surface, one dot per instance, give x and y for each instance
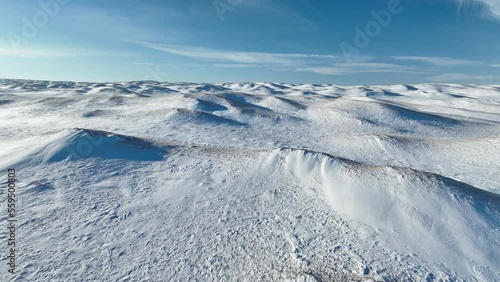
(150, 181)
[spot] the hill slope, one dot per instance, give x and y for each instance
(253, 181)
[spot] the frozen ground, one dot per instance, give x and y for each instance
(148, 181)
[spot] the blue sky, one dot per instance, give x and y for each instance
(297, 41)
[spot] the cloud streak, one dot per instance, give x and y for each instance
(493, 6)
(455, 77)
(438, 61)
(312, 63)
(24, 53)
(320, 64)
(54, 52)
(236, 56)
(350, 68)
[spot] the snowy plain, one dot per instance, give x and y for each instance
(150, 181)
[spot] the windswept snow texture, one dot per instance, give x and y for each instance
(149, 181)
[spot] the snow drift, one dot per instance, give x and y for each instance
(253, 181)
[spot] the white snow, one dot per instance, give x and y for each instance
(150, 181)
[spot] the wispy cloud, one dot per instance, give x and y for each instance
(322, 70)
(350, 68)
(237, 56)
(32, 53)
(56, 52)
(438, 61)
(495, 65)
(492, 5)
(238, 65)
(313, 63)
(455, 77)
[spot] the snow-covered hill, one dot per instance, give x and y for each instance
(150, 181)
